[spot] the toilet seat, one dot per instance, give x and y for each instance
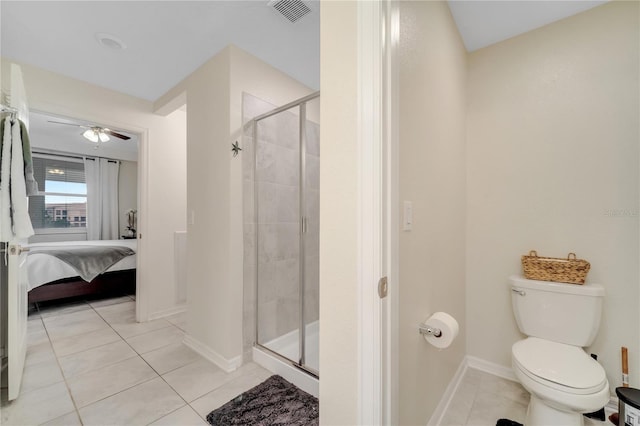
(559, 366)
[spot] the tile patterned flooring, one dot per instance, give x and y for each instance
(90, 363)
(481, 399)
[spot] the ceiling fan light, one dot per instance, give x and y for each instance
(103, 136)
(91, 134)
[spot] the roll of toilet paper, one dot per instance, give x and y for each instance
(447, 325)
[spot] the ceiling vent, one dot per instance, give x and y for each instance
(293, 10)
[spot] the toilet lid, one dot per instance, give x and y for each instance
(566, 365)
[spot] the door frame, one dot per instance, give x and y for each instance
(142, 287)
(378, 35)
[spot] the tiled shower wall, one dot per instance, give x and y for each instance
(278, 221)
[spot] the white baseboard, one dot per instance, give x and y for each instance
(309, 384)
(443, 405)
(491, 368)
(167, 312)
(227, 365)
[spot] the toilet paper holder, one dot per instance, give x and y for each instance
(425, 329)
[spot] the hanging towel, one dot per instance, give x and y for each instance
(19, 202)
(6, 232)
(30, 181)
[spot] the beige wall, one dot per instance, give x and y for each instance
(338, 215)
(553, 131)
(214, 190)
(432, 176)
(56, 94)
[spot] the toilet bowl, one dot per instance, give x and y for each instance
(551, 364)
(564, 382)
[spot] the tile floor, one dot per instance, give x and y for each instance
(90, 363)
(481, 399)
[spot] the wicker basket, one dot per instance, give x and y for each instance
(569, 270)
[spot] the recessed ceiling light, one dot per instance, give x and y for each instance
(110, 41)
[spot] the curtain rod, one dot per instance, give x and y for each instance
(75, 157)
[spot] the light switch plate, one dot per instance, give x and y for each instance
(407, 216)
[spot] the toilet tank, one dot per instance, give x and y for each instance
(563, 313)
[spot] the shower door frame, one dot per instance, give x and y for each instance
(301, 104)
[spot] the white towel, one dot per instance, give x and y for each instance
(6, 232)
(19, 201)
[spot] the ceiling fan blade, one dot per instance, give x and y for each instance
(70, 124)
(116, 134)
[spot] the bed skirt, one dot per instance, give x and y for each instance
(109, 283)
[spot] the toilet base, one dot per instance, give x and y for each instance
(541, 414)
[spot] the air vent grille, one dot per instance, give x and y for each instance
(293, 10)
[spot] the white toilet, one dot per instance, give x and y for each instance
(563, 380)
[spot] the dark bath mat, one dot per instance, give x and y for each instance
(507, 422)
(273, 402)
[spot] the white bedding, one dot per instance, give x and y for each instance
(43, 268)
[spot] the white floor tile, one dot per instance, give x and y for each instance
(126, 326)
(138, 405)
(67, 308)
(246, 379)
(36, 333)
(98, 357)
(156, 339)
(71, 419)
(108, 302)
(37, 406)
(196, 379)
(184, 416)
(82, 342)
(34, 324)
(115, 312)
(488, 408)
(39, 375)
(170, 357)
(179, 320)
(38, 353)
(97, 384)
(482, 398)
(62, 326)
(504, 388)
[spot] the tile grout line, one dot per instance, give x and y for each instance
(77, 409)
(153, 369)
(121, 338)
(64, 378)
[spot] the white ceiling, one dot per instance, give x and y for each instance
(482, 23)
(45, 136)
(167, 40)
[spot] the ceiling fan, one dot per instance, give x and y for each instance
(96, 133)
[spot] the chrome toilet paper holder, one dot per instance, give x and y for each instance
(425, 329)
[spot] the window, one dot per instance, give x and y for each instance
(62, 200)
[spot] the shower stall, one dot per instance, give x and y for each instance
(281, 204)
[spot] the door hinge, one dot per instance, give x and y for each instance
(383, 287)
(15, 250)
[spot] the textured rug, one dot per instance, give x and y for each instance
(273, 402)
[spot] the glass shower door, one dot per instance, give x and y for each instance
(277, 204)
(311, 237)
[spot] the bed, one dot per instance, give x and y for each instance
(51, 278)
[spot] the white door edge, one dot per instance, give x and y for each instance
(377, 236)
